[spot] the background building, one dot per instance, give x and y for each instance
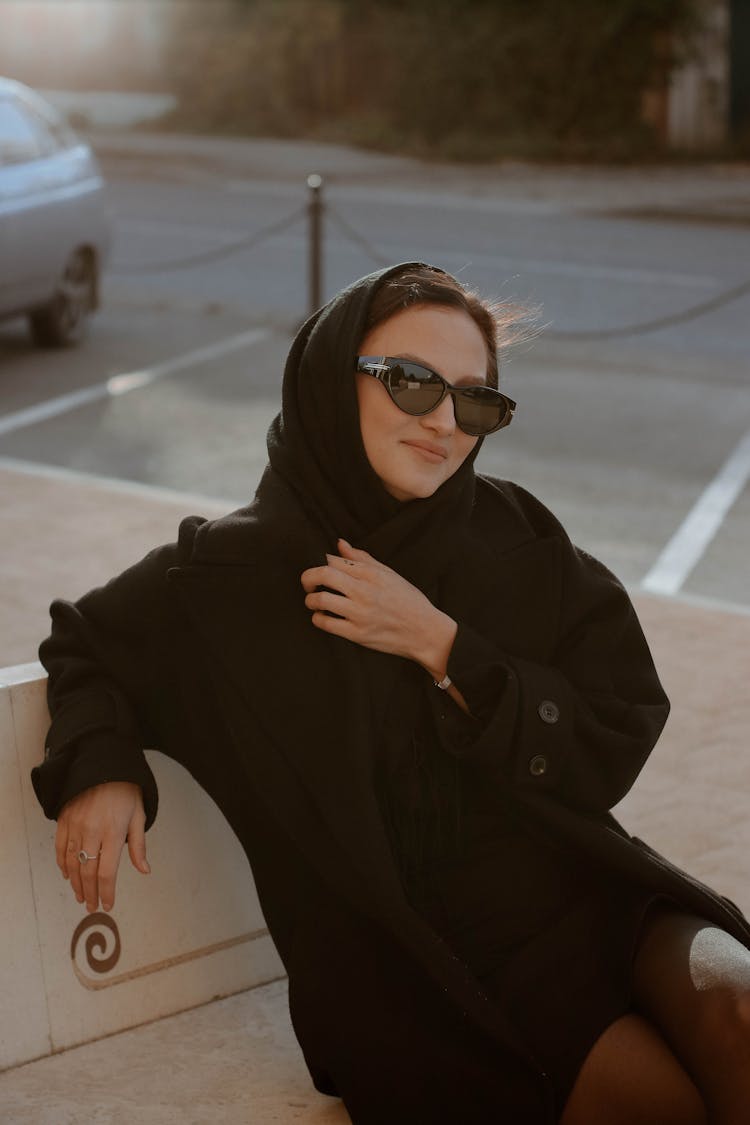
(739, 55)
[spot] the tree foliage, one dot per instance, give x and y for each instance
(477, 78)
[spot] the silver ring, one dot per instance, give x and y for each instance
(84, 856)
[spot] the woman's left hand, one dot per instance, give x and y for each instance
(377, 608)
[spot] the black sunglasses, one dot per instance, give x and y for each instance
(417, 390)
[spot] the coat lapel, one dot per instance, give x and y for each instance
(283, 668)
(232, 610)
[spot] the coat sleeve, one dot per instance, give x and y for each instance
(103, 691)
(579, 724)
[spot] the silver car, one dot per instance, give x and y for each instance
(55, 226)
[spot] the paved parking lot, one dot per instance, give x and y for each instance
(626, 438)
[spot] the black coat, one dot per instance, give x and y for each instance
(167, 655)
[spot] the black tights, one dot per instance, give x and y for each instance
(682, 1056)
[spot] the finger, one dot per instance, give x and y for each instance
(336, 579)
(337, 626)
(355, 553)
(90, 876)
(109, 862)
(61, 846)
(333, 603)
(73, 867)
(345, 566)
(315, 576)
(308, 579)
(137, 841)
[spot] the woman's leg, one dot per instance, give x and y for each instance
(630, 1077)
(692, 981)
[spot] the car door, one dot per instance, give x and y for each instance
(31, 237)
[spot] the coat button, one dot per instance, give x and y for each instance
(538, 765)
(549, 712)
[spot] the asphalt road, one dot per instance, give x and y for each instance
(630, 440)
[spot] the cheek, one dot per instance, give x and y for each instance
(366, 411)
(378, 417)
(464, 446)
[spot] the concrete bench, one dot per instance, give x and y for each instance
(187, 933)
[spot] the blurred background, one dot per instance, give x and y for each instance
(587, 162)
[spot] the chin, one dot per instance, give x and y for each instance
(405, 493)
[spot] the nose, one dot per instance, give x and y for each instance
(442, 420)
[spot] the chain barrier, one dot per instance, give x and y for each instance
(642, 328)
(316, 209)
(218, 252)
(354, 236)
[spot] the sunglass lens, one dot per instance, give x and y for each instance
(414, 389)
(479, 410)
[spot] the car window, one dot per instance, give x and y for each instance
(19, 140)
(54, 132)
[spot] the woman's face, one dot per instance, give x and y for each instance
(414, 455)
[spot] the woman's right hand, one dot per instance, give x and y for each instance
(98, 820)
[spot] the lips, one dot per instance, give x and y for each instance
(429, 451)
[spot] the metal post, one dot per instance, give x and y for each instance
(315, 211)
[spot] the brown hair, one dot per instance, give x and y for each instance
(500, 322)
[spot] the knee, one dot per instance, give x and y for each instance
(724, 1076)
(728, 1031)
(743, 1008)
(631, 1077)
(740, 1024)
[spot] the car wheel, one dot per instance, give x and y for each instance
(64, 319)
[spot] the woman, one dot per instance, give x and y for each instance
(415, 701)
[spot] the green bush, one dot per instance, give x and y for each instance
(478, 79)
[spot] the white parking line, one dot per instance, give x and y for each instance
(693, 537)
(128, 381)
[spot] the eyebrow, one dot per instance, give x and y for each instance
(464, 380)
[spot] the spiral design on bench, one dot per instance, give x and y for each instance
(103, 928)
(102, 932)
